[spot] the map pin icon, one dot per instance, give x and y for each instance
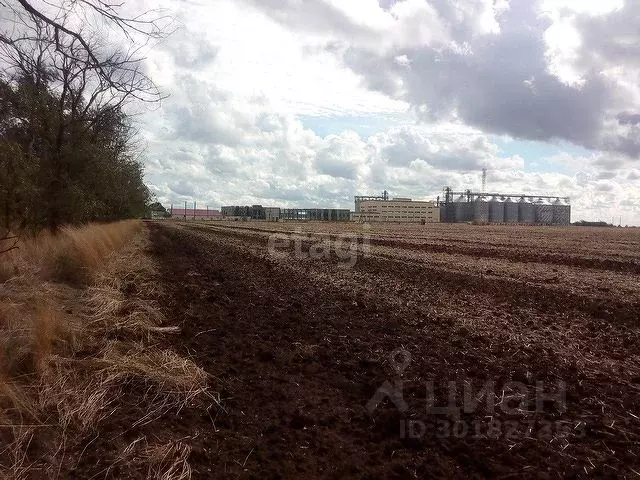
(400, 360)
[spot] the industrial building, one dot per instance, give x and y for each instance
(360, 198)
(405, 210)
(254, 212)
(466, 206)
(274, 214)
(504, 208)
(322, 214)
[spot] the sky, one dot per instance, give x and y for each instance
(309, 102)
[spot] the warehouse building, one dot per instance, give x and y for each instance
(272, 214)
(253, 212)
(319, 214)
(401, 210)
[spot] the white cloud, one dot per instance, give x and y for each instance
(256, 56)
(529, 69)
(590, 7)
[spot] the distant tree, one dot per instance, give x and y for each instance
(157, 207)
(68, 150)
(584, 223)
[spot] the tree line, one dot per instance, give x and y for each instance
(68, 148)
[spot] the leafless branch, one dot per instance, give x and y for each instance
(13, 246)
(121, 71)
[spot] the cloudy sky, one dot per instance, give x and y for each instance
(310, 102)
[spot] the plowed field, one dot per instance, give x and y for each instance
(342, 351)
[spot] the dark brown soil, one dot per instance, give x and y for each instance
(298, 347)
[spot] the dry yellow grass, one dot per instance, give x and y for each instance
(78, 324)
(166, 461)
(72, 256)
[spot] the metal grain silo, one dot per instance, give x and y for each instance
(526, 211)
(561, 213)
(462, 209)
(447, 212)
(496, 210)
(544, 212)
(481, 210)
(510, 211)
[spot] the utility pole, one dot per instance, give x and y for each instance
(484, 179)
(185, 210)
(194, 209)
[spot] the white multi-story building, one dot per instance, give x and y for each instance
(402, 210)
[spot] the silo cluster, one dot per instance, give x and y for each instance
(512, 208)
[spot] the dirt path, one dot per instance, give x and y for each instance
(298, 349)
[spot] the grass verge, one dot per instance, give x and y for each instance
(79, 329)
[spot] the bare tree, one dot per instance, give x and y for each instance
(119, 68)
(90, 77)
